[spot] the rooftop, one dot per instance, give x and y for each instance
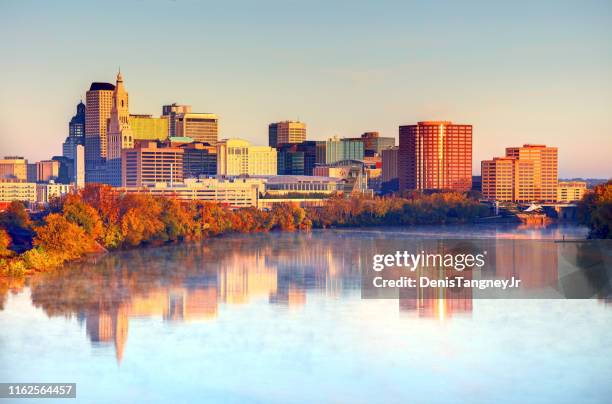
(435, 123)
(277, 179)
(98, 86)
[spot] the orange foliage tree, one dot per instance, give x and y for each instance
(76, 211)
(5, 243)
(63, 238)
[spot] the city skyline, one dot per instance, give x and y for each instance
(536, 78)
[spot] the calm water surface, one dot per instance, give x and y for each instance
(279, 318)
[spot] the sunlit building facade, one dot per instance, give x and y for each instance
(353, 172)
(169, 112)
(46, 192)
(98, 105)
(283, 185)
(435, 155)
(147, 127)
(526, 174)
(234, 192)
(147, 164)
(14, 168)
(571, 191)
(498, 179)
(201, 127)
(239, 157)
(78, 166)
(286, 132)
(545, 169)
(120, 134)
(47, 170)
(13, 190)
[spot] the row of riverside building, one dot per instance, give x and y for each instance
(180, 153)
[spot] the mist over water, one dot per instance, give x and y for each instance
(279, 317)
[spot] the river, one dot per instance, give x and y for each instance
(280, 318)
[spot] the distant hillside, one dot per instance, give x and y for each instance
(591, 182)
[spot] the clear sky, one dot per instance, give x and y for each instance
(520, 72)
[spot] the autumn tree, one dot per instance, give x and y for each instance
(140, 219)
(78, 212)
(214, 218)
(178, 220)
(15, 217)
(595, 211)
(5, 243)
(62, 237)
(104, 199)
(17, 223)
(286, 217)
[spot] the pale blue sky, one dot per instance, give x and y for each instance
(519, 72)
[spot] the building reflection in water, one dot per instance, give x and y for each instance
(438, 302)
(108, 326)
(185, 283)
(534, 262)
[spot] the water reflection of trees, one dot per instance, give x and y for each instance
(12, 285)
(188, 282)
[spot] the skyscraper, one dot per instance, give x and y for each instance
(286, 132)
(297, 159)
(526, 174)
(119, 135)
(76, 132)
(545, 169)
(498, 178)
(98, 105)
(435, 155)
(170, 111)
(374, 144)
(337, 149)
(201, 127)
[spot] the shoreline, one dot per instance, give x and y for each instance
(421, 231)
(99, 219)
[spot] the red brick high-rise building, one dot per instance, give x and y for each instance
(435, 155)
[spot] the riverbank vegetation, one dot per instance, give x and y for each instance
(595, 211)
(412, 209)
(99, 218)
